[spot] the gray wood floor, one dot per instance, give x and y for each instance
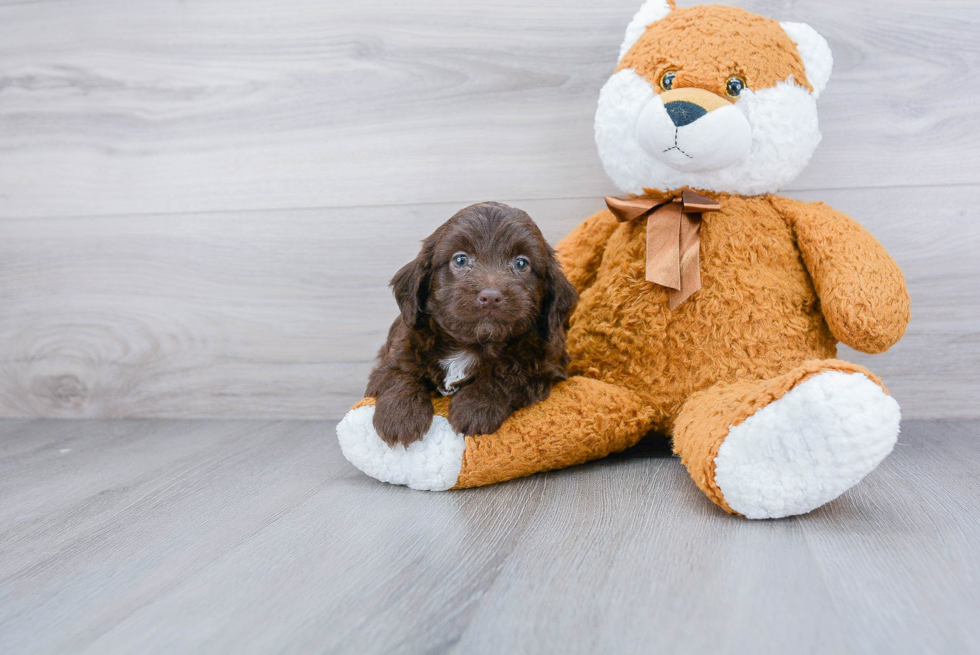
(201, 202)
(210, 536)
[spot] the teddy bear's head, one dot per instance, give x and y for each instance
(711, 97)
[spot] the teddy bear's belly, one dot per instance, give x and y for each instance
(755, 316)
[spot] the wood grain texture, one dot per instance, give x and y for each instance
(279, 314)
(253, 314)
(201, 205)
(118, 107)
(256, 536)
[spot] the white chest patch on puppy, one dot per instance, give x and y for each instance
(457, 367)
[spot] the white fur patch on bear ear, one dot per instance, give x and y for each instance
(649, 13)
(815, 53)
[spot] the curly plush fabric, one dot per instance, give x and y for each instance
(707, 416)
(607, 419)
(862, 291)
(743, 374)
(777, 104)
(757, 314)
(752, 47)
(751, 334)
(806, 447)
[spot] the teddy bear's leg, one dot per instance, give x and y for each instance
(786, 445)
(583, 419)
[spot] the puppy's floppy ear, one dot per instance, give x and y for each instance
(559, 299)
(411, 285)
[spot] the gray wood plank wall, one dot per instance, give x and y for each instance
(201, 203)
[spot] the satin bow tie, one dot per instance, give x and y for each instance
(673, 237)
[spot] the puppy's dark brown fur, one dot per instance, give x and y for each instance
(487, 291)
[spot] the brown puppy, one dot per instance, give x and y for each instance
(483, 311)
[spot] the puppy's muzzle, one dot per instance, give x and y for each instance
(489, 298)
(693, 129)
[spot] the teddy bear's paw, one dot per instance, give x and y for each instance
(432, 464)
(808, 447)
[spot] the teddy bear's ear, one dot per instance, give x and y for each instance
(649, 13)
(815, 53)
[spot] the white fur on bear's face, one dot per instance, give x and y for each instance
(815, 53)
(784, 134)
(716, 140)
(650, 12)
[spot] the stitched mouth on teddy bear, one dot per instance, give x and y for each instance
(693, 130)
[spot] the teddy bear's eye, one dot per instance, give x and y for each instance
(734, 86)
(667, 80)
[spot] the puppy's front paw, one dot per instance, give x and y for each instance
(474, 415)
(402, 419)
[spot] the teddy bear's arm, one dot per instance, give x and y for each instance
(861, 289)
(580, 253)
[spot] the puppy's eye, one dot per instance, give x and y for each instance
(734, 86)
(522, 264)
(461, 260)
(667, 80)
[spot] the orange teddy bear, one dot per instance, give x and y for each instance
(710, 308)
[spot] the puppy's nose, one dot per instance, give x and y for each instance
(490, 298)
(683, 113)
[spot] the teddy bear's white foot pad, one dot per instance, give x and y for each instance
(808, 447)
(432, 464)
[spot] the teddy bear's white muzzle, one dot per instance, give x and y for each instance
(688, 142)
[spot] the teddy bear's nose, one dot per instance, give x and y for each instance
(682, 112)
